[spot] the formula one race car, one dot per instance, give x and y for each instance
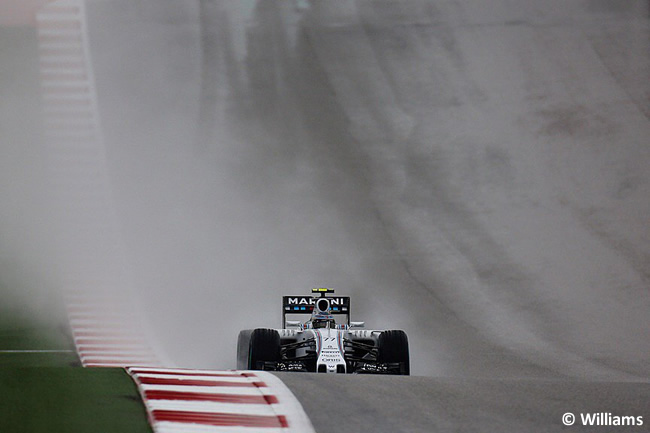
(321, 344)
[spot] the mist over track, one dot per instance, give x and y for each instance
(473, 172)
(476, 175)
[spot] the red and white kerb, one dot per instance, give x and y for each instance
(107, 331)
(179, 400)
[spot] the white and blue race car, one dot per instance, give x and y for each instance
(321, 344)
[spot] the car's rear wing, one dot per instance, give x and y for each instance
(339, 305)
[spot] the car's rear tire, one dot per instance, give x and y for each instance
(394, 348)
(264, 347)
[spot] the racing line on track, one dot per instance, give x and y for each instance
(106, 327)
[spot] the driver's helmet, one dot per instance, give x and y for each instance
(321, 320)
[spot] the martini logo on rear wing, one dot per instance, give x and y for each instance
(306, 304)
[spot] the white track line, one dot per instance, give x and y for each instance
(38, 351)
(229, 378)
(175, 427)
(214, 407)
(202, 389)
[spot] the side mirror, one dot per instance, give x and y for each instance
(357, 324)
(293, 323)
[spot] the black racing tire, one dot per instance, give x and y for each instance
(394, 348)
(264, 346)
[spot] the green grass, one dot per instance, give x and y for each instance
(24, 344)
(43, 387)
(27, 339)
(70, 400)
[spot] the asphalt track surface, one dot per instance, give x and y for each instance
(426, 404)
(473, 172)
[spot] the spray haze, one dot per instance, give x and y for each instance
(475, 175)
(223, 198)
(26, 248)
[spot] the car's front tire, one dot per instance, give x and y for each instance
(394, 349)
(264, 347)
